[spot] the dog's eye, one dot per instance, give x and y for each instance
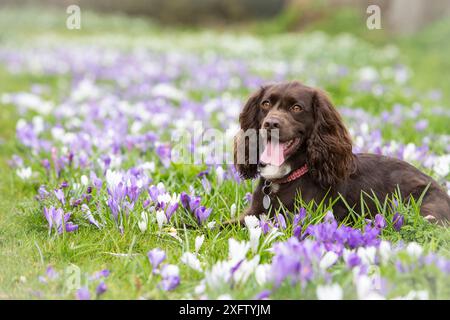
(266, 104)
(296, 108)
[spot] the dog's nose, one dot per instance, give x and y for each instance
(271, 123)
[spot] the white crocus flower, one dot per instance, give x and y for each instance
(149, 166)
(346, 253)
(328, 260)
(220, 175)
(160, 187)
(219, 275)
(164, 198)
(76, 186)
(24, 173)
(255, 234)
(211, 224)
(143, 222)
(365, 288)
(113, 178)
(198, 242)
(262, 274)
(84, 180)
(271, 236)
(414, 295)
(414, 250)
(245, 269)
(367, 255)
(385, 251)
(161, 218)
(200, 289)
(233, 210)
(173, 233)
(251, 221)
(237, 250)
(191, 260)
(442, 165)
(329, 292)
(170, 270)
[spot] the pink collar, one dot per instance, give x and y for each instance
(294, 175)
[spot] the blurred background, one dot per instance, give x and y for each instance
(419, 28)
(110, 94)
(401, 16)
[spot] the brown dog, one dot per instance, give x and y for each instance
(313, 157)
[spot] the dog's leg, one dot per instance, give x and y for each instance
(436, 205)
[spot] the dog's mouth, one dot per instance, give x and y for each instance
(276, 152)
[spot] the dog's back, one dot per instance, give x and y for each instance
(385, 175)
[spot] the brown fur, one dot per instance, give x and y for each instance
(326, 147)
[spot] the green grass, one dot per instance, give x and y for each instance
(26, 249)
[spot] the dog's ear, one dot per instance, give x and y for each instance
(329, 147)
(246, 154)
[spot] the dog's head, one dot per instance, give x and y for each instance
(306, 126)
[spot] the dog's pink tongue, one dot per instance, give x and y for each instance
(273, 154)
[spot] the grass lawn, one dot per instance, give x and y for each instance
(388, 95)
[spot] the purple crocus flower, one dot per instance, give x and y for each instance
(329, 217)
(101, 288)
(100, 274)
(248, 197)
(170, 277)
(265, 227)
(51, 273)
(380, 222)
(202, 213)
(281, 221)
(50, 215)
(16, 161)
(370, 236)
(296, 220)
(171, 208)
(206, 185)
(69, 226)
(297, 232)
(354, 238)
(184, 198)
(164, 153)
(295, 260)
(59, 193)
(194, 203)
(117, 195)
(56, 218)
(46, 164)
(153, 193)
(353, 260)
(190, 203)
(106, 161)
(88, 214)
(83, 294)
(75, 203)
(421, 125)
(398, 221)
(96, 181)
(203, 173)
(262, 295)
(156, 257)
(146, 203)
(43, 193)
(300, 216)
